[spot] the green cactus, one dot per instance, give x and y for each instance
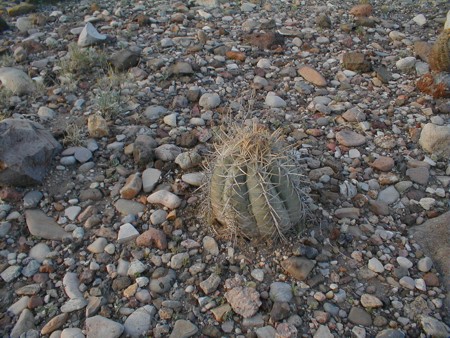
(255, 185)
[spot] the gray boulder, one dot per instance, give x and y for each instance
(26, 151)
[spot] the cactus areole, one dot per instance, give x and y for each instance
(255, 186)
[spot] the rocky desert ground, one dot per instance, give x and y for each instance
(111, 111)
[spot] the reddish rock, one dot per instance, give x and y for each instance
(361, 10)
(431, 279)
(10, 194)
(132, 187)
(357, 62)
(269, 40)
(152, 237)
(239, 56)
(383, 163)
(35, 301)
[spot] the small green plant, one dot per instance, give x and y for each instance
(7, 60)
(5, 96)
(108, 103)
(82, 61)
(73, 135)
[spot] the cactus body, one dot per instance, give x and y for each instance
(439, 58)
(255, 186)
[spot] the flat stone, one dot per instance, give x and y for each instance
(165, 198)
(388, 195)
(18, 306)
(162, 280)
(73, 305)
(98, 246)
(298, 267)
(359, 316)
(150, 178)
(280, 292)
(375, 265)
(183, 329)
(32, 199)
(347, 213)
(434, 328)
(139, 322)
(40, 225)
(313, 76)
(383, 163)
(179, 260)
(370, 301)
(23, 324)
(350, 138)
(266, 332)
(275, 101)
(390, 333)
(72, 332)
(404, 262)
(11, 273)
(126, 207)
(55, 323)
(194, 179)
(99, 326)
(72, 212)
(419, 175)
(221, 311)
(167, 152)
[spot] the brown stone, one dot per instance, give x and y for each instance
(357, 62)
(383, 163)
(350, 138)
(268, 40)
(422, 50)
(361, 10)
(239, 56)
(431, 279)
(132, 187)
(312, 75)
(152, 238)
(97, 126)
(54, 323)
(298, 267)
(379, 208)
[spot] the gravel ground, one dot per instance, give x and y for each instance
(115, 242)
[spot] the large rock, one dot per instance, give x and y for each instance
(16, 80)
(26, 151)
(436, 140)
(433, 236)
(40, 225)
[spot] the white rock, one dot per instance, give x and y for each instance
(99, 326)
(375, 265)
(150, 178)
(39, 252)
(127, 233)
(275, 101)
(171, 119)
(165, 198)
(210, 246)
(90, 36)
(427, 202)
(425, 264)
(98, 246)
(71, 285)
(72, 212)
(139, 322)
(46, 113)
(420, 284)
(72, 332)
(263, 63)
(195, 179)
(17, 81)
(258, 274)
(420, 19)
(406, 64)
(209, 100)
(404, 262)
(136, 267)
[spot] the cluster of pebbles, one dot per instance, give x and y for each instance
(115, 242)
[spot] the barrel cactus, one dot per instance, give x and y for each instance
(254, 186)
(439, 57)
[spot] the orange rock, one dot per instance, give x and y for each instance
(361, 10)
(152, 237)
(235, 55)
